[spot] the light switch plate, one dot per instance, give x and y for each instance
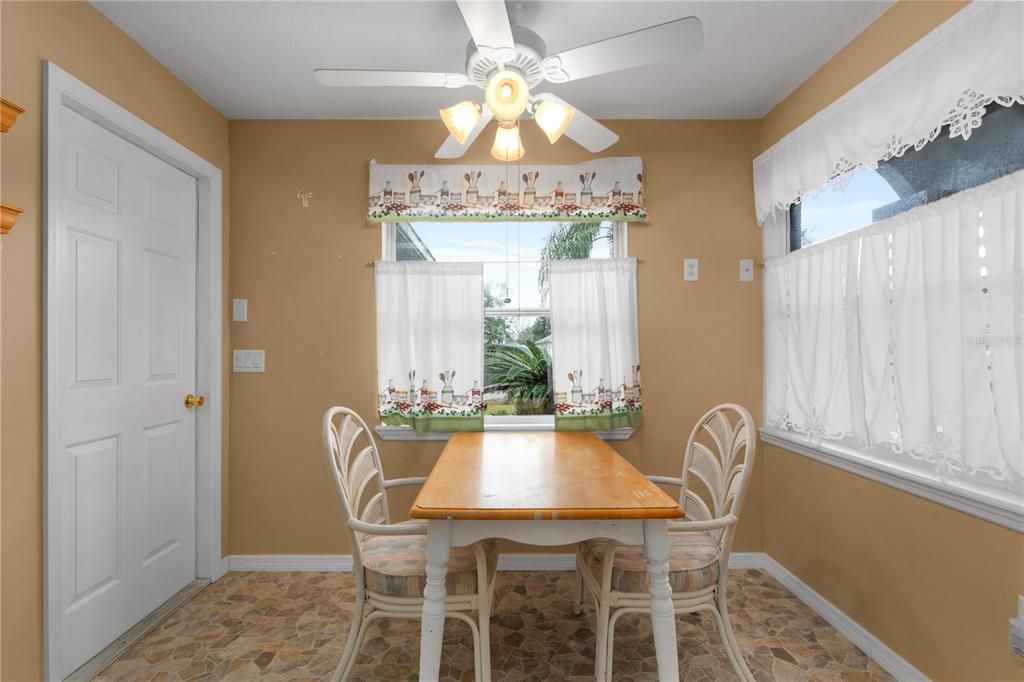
(746, 269)
(239, 310)
(248, 361)
(691, 270)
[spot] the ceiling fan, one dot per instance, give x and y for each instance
(507, 60)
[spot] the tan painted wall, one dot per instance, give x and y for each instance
(934, 584)
(898, 28)
(80, 40)
(307, 276)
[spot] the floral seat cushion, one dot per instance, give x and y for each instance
(692, 563)
(396, 565)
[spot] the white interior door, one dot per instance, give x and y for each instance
(125, 468)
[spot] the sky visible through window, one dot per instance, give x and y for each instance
(510, 253)
(834, 212)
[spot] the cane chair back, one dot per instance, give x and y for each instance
(717, 467)
(354, 463)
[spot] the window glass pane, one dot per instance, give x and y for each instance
(517, 358)
(499, 241)
(517, 365)
(940, 168)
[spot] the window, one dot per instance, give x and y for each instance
(517, 323)
(937, 170)
(894, 351)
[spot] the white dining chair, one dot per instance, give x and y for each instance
(717, 465)
(389, 559)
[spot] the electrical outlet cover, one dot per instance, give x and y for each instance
(691, 269)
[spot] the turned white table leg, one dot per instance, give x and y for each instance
(439, 538)
(663, 619)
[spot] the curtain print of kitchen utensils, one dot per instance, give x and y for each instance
(601, 191)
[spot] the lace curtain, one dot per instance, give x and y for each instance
(430, 345)
(948, 78)
(595, 346)
(905, 339)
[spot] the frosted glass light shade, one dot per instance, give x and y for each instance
(507, 95)
(461, 119)
(553, 118)
(507, 145)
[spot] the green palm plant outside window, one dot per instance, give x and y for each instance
(523, 373)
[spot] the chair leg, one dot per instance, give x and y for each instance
(485, 636)
(729, 641)
(609, 653)
(356, 632)
(601, 645)
(577, 606)
(478, 665)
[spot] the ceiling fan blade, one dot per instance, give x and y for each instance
(394, 79)
(451, 149)
(590, 134)
(661, 43)
(489, 25)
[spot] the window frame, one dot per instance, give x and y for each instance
(975, 501)
(500, 423)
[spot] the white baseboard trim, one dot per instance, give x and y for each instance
(302, 563)
(537, 562)
(342, 563)
(876, 649)
(892, 662)
(746, 560)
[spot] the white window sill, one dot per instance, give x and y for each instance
(1005, 512)
(408, 433)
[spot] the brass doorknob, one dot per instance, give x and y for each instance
(194, 401)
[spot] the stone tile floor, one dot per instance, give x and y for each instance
(293, 626)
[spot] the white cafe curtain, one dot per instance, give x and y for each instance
(974, 59)
(905, 339)
(595, 347)
(430, 345)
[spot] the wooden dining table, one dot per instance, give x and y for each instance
(544, 488)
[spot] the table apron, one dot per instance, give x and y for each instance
(543, 532)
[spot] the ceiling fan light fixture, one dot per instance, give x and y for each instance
(461, 119)
(507, 145)
(507, 95)
(553, 118)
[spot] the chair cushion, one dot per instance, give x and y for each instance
(692, 563)
(396, 565)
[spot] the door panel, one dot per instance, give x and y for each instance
(126, 315)
(95, 263)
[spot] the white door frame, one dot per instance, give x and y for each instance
(62, 89)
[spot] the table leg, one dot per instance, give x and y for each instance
(663, 620)
(439, 535)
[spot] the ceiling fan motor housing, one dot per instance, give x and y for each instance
(529, 54)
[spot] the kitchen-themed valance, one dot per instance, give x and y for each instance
(948, 78)
(605, 189)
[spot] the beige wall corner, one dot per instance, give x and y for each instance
(936, 585)
(902, 25)
(306, 274)
(81, 41)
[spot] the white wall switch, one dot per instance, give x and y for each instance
(239, 310)
(691, 270)
(746, 269)
(248, 361)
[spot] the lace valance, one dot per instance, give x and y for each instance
(973, 60)
(605, 189)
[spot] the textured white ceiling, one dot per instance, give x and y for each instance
(256, 59)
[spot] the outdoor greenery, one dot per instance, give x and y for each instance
(517, 365)
(569, 241)
(522, 372)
